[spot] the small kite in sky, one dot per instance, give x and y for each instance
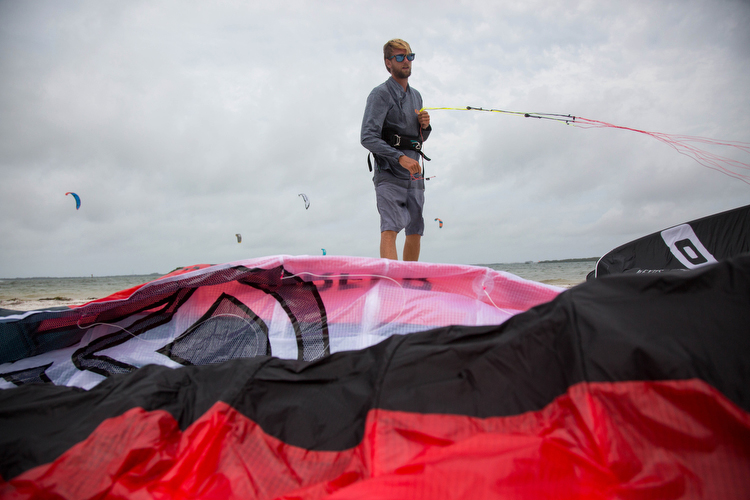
(78, 199)
(440, 222)
(239, 237)
(307, 201)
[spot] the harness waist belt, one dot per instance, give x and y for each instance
(402, 142)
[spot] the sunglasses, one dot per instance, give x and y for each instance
(400, 57)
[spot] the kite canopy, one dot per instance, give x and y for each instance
(632, 387)
(290, 307)
(239, 237)
(440, 223)
(306, 200)
(686, 246)
(77, 198)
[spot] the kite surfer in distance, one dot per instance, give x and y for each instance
(393, 130)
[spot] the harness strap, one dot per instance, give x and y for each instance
(402, 142)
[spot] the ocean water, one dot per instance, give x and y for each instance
(26, 294)
(565, 273)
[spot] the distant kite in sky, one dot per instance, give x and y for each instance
(307, 201)
(78, 199)
(440, 222)
(324, 251)
(239, 237)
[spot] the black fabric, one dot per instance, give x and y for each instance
(691, 325)
(402, 142)
(724, 235)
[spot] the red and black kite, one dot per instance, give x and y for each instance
(253, 380)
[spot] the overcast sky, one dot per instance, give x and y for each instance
(180, 124)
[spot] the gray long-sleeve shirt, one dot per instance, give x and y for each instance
(389, 106)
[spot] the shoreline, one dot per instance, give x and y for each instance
(24, 305)
(562, 283)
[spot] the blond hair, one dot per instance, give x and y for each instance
(393, 45)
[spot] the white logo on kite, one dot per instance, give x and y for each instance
(686, 247)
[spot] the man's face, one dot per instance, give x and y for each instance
(399, 69)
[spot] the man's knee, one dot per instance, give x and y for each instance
(388, 236)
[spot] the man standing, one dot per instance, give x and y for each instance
(393, 130)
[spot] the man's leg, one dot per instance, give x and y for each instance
(412, 246)
(388, 245)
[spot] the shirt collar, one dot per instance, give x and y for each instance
(397, 86)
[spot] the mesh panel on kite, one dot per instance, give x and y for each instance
(228, 331)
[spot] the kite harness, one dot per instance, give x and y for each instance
(402, 142)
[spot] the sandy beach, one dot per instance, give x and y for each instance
(40, 304)
(31, 294)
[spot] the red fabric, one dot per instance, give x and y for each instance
(629, 440)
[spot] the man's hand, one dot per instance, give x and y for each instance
(423, 117)
(412, 166)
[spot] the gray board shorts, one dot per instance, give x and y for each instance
(400, 203)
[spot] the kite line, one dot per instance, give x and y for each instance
(683, 144)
